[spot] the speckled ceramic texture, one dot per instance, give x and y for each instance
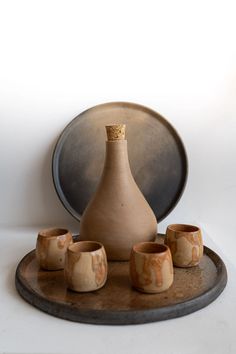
(185, 242)
(151, 267)
(51, 247)
(85, 266)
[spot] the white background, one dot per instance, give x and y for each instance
(58, 58)
(61, 57)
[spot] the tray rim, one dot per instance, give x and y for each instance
(124, 317)
(57, 147)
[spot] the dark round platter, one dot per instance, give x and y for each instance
(117, 303)
(157, 156)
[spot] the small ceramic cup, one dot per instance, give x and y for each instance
(185, 242)
(85, 266)
(51, 248)
(151, 268)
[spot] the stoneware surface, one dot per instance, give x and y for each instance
(117, 302)
(118, 215)
(151, 267)
(185, 242)
(156, 153)
(85, 266)
(51, 248)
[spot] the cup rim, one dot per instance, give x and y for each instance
(73, 248)
(183, 228)
(53, 232)
(162, 248)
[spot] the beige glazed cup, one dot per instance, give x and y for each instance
(185, 242)
(86, 266)
(51, 248)
(151, 267)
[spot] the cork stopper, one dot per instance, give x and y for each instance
(115, 132)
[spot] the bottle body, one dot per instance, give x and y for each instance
(118, 215)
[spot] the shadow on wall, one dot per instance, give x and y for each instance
(44, 207)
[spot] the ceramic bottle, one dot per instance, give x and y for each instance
(118, 215)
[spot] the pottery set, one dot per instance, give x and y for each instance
(119, 270)
(119, 225)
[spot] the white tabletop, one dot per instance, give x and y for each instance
(25, 329)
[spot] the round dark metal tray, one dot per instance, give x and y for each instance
(117, 302)
(157, 156)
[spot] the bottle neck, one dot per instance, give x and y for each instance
(116, 161)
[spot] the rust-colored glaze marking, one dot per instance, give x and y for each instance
(85, 267)
(155, 265)
(99, 268)
(61, 240)
(173, 246)
(42, 244)
(146, 274)
(169, 258)
(42, 251)
(194, 244)
(194, 239)
(158, 268)
(147, 271)
(70, 261)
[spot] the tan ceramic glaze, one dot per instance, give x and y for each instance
(151, 268)
(118, 215)
(51, 247)
(85, 266)
(185, 242)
